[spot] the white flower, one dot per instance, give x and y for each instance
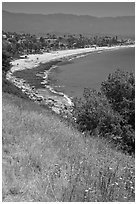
(116, 183)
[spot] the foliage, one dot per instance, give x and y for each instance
(109, 113)
(95, 115)
(5, 61)
(119, 89)
(17, 44)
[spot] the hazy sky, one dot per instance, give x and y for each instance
(80, 8)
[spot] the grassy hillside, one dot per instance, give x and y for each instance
(46, 160)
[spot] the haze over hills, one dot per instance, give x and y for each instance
(68, 23)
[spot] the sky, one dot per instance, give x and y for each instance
(99, 9)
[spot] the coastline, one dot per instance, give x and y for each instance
(57, 101)
(33, 60)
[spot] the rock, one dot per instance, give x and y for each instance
(57, 110)
(51, 99)
(39, 98)
(57, 104)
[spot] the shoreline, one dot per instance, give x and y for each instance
(33, 60)
(57, 101)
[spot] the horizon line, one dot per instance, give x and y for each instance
(67, 14)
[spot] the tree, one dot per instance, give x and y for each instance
(119, 89)
(42, 40)
(5, 61)
(111, 112)
(94, 113)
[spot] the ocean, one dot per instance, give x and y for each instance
(90, 71)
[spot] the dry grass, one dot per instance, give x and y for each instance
(46, 160)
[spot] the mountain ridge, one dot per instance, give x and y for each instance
(67, 23)
(50, 14)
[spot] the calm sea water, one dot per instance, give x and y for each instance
(91, 70)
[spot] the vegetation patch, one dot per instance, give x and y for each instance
(8, 87)
(45, 160)
(110, 113)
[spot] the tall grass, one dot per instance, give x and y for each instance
(46, 160)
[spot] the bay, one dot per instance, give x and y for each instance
(90, 71)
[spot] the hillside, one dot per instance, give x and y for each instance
(67, 23)
(44, 159)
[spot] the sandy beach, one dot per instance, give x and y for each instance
(33, 60)
(56, 101)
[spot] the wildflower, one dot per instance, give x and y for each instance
(116, 183)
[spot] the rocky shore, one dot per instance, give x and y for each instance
(58, 102)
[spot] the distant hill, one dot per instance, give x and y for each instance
(67, 23)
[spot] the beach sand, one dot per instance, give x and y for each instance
(33, 60)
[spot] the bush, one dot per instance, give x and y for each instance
(93, 113)
(119, 89)
(109, 113)
(5, 61)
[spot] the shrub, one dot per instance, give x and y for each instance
(5, 61)
(94, 114)
(119, 88)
